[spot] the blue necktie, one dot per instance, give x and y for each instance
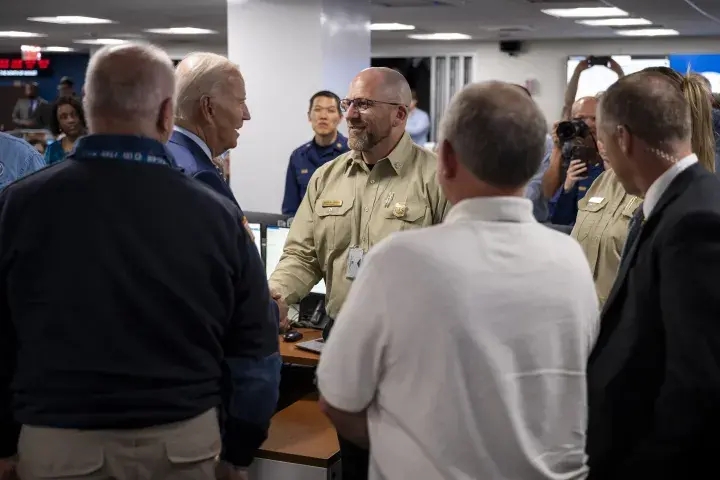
(634, 228)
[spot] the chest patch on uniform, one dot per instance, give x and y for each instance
(304, 171)
(332, 203)
(582, 189)
(596, 200)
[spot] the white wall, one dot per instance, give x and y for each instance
(545, 61)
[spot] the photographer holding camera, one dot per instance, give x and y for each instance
(544, 189)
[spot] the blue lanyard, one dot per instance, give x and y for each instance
(142, 157)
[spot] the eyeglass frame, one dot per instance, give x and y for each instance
(371, 103)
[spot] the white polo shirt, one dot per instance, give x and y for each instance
(467, 342)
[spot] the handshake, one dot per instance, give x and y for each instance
(283, 308)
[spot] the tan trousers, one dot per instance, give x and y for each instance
(180, 451)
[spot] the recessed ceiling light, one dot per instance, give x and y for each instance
(615, 22)
(57, 49)
(390, 27)
(585, 12)
(14, 34)
(440, 36)
(181, 31)
(101, 41)
(649, 32)
(71, 20)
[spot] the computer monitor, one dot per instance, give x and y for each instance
(275, 238)
(256, 230)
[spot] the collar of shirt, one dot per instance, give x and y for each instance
(656, 190)
(492, 209)
(397, 157)
(122, 147)
(196, 139)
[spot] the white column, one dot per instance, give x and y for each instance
(287, 50)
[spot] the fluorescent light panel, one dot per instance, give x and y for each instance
(15, 34)
(181, 31)
(71, 20)
(58, 49)
(585, 12)
(648, 32)
(615, 22)
(440, 36)
(101, 41)
(390, 27)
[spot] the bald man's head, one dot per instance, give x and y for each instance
(585, 109)
(378, 115)
(130, 87)
(211, 99)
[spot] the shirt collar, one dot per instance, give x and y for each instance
(397, 158)
(656, 190)
(199, 141)
(119, 145)
(492, 209)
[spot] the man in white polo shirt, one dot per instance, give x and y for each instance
(461, 350)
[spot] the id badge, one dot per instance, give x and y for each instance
(355, 257)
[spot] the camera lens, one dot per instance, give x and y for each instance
(565, 131)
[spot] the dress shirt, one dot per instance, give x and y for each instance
(196, 139)
(656, 190)
(418, 126)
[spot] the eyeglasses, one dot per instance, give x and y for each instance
(362, 104)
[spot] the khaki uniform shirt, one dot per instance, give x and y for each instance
(601, 228)
(349, 205)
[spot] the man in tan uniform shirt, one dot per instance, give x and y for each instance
(386, 184)
(601, 228)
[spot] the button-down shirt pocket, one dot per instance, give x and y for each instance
(407, 215)
(589, 215)
(333, 230)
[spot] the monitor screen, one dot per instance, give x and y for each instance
(257, 234)
(275, 242)
(597, 79)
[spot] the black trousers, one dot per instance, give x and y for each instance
(355, 460)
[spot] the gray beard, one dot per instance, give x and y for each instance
(360, 143)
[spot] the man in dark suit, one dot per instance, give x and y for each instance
(30, 111)
(211, 109)
(654, 375)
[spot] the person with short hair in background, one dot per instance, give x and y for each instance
(385, 184)
(68, 124)
(324, 116)
(66, 87)
(418, 123)
(113, 363)
(28, 111)
(654, 373)
(460, 352)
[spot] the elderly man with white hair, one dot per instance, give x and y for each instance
(113, 364)
(210, 110)
(505, 307)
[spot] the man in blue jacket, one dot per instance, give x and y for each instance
(328, 144)
(135, 318)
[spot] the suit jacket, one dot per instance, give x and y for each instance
(192, 159)
(654, 374)
(39, 114)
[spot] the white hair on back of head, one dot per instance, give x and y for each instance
(200, 74)
(128, 83)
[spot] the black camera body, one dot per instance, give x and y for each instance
(572, 136)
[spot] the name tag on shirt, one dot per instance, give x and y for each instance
(332, 203)
(596, 200)
(304, 171)
(355, 257)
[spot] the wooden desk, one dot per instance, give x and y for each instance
(301, 444)
(291, 354)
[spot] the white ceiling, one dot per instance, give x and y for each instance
(482, 19)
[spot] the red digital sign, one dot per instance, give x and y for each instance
(17, 67)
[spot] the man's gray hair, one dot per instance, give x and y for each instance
(200, 74)
(498, 133)
(128, 83)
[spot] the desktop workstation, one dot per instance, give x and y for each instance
(302, 443)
